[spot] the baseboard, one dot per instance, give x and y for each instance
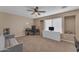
(69, 41)
(20, 36)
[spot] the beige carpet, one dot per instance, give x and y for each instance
(39, 44)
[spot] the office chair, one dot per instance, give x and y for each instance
(33, 30)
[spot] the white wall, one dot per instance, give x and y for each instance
(16, 23)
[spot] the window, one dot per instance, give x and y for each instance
(56, 23)
(47, 24)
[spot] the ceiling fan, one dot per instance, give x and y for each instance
(36, 11)
(64, 7)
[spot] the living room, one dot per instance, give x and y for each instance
(56, 27)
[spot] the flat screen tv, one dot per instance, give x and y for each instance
(51, 28)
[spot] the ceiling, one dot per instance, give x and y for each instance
(22, 10)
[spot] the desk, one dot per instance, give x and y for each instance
(29, 31)
(52, 35)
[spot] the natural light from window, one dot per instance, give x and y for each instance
(56, 23)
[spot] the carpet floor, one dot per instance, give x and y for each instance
(38, 44)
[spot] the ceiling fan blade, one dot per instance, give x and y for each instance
(64, 6)
(38, 13)
(33, 13)
(42, 11)
(29, 10)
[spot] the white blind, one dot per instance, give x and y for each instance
(56, 23)
(47, 24)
